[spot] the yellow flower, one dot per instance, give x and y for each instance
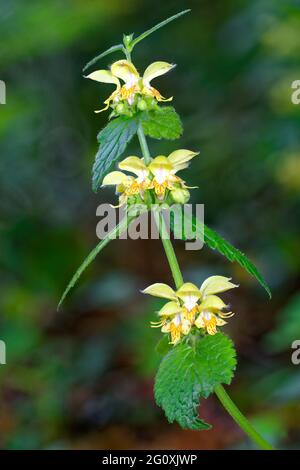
(191, 306)
(211, 305)
(173, 320)
(127, 186)
(158, 175)
(133, 83)
(211, 314)
(164, 170)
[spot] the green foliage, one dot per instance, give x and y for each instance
(92, 255)
(162, 123)
(129, 42)
(163, 346)
(113, 140)
(216, 242)
(189, 372)
(163, 23)
(287, 328)
(212, 239)
(111, 50)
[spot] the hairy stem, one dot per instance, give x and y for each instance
(222, 395)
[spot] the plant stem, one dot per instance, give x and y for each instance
(144, 145)
(127, 54)
(170, 253)
(240, 419)
(222, 395)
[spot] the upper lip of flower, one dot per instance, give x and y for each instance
(164, 169)
(189, 294)
(133, 83)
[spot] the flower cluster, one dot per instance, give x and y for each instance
(136, 93)
(190, 306)
(159, 177)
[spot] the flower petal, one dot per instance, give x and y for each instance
(199, 322)
(160, 290)
(103, 109)
(160, 164)
(126, 71)
(155, 70)
(213, 303)
(104, 76)
(115, 178)
(220, 322)
(216, 284)
(211, 327)
(185, 326)
(180, 158)
(169, 309)
(134, 165)
(166, 327)
(188, 289)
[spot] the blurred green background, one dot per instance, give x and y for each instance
(82, 378)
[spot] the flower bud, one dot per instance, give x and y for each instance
(180, 196)
(120, 108)
(142, 105)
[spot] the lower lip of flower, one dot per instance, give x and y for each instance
(207, 316)
(190, 303)
(161, 176)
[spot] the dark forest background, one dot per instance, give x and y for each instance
(83, 377)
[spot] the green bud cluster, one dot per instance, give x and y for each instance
(140, 103)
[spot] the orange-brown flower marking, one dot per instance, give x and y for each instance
(191, 306)
(133, 83)
(159, 175)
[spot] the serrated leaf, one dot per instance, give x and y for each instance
(162, 123)
(118, 47)
(188, 373)
(113, 140)
(215, 242)
(156, 27)
(118, 230)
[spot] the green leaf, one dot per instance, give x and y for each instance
(163, 346)
(118, 230)
(113, 140)
(162, 123)
(156, 27)
(215, 242)
(118, 47)
(187, 373)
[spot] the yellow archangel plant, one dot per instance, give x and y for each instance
(197, 357)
